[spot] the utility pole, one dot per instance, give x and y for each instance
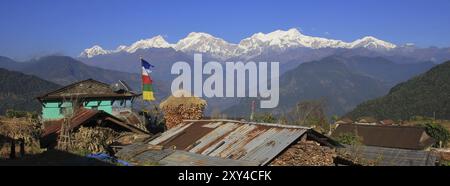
(252, 115)
(434, 115)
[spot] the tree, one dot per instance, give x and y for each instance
(334, 118)
(438, 132)
(311, 113)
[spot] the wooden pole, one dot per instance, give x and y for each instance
(22, 147)
(252, 115)
(12, 154)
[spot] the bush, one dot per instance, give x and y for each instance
(438, 132)
(10, 113)
(265, 118)
(349, 139)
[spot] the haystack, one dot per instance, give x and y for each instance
(19, 129)
(92, 139)
(182, 106)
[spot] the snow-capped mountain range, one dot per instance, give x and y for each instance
(278, 40)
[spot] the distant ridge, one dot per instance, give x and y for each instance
(18, 91)
(425, 95)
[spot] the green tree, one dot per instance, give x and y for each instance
(438, 132)
(311, 113)
(334, 118)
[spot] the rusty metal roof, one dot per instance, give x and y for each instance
(142, 154)
(83, 116)
(183, 158)
(229, 139)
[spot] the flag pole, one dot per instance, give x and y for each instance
(144, 66)
(143, 110)
(142, 87)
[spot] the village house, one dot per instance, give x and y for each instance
(389, 144)
(366, 121)
(89, 103)
(89, 94)
(403, 137)
(386, 122)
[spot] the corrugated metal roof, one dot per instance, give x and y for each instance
(143, 154)
(392, 156)
(82, 117)
(229, 139)
(183, 158)
(152, 156)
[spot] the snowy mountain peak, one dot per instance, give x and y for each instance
(282, 40)
(371, 38)
(205, 43)
(292, 33)
(278, 34)
(120, 48)
(94, 51)
(294, 30)
(371, 42)
(155, 42)
(199, 35)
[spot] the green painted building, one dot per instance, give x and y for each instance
(90, 94)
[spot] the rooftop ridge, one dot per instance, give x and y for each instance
(252, 123)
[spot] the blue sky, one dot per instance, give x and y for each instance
(31, 28)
